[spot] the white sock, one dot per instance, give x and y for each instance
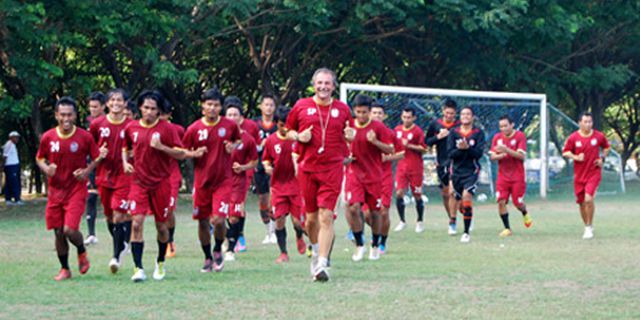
(314, 248)
(322, 262)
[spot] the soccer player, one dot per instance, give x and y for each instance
(410, 170)
(244, 159)
(371, 142)
(437, 134)
(267, 126)
(113, 183)
(155, 143)
(285, 191)
(62, 156)
(509, 148)
(176, 182)
(322, 126)
(465, 145)
(212, 184)
(588, 148)
(96, 101)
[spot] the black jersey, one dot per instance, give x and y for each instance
(442, 154)
(465, 162)
(265, 131)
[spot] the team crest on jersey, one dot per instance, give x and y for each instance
(335, 112)
(122, 134)
(513, 142)
(222, 132)
(594, 142)
(410, 136)
(398, 134)
(472, 142)
(579, 144)
(155, 135)
(500, 142)
(311, 111)
(74, 146)
(240, 146)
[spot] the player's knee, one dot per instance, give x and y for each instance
(233, 220)
(58, 232)
(217, 222)
(325, 217)
(68, 231)
(588, 199)
(399, 194)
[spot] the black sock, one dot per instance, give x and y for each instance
(383, 241)
(452, 221)
(232, 236)
(505, 220)
(358, 236)
(281, 235)
(217, 247)
(400, 207)
(207, 251)
(375, 240)
(299, 232)
(162, 250)
(524, 211)
(264, 214)
(468, 215)
(127, 231)
(118, 239)
(171, 232)
(241, 227)
(64, 261)
(81, 249)
(136, 252)
(91, 213)
(110, 227)
(420, 207)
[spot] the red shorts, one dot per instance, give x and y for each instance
(239, 189)
(406, 179)
(583, 188)
(176, 181)
(116, 198)
(287, 204)
(212, 201)
(65, 207)
(145, 201)
(321, 189)
(515, 189)
(358, 192)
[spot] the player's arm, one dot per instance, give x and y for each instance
(518, 154)
(385, 147)
(416, 147)
(176, 153)
(393, 157)
(48, 169)
(454, 152)
(431, 137)
(268, 169)
(477, 150)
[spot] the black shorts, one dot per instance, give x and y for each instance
(261, 181)
(443, 176)
(469, 183)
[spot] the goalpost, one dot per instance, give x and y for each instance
(546, 128)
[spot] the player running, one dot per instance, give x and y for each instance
(588, 148)
(437, 134)
(96, 102)
(176, 182)
(410, 170)
(466, 145)
(62, 156)
(509, 148)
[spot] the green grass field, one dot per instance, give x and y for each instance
(546, 272)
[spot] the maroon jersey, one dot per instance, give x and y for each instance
(68, 153)
(214, 167)
(397, 147)
(590, 146)
(176, 175)
(278, 152)
(245, 152)
(152, 166)
(252, 129)
(510, 168)
(367, 166)
(104, 130)
(306, 113)
(412, 161)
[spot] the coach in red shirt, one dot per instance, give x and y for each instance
(322, 126)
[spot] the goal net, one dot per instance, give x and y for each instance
(546, 128)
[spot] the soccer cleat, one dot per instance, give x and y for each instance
(158, 273)
(374, 253)
(401, 226)
(229, 256)
(359, 254)
(208, 266)
(452, 229)
(465, 238)
(64, 274)
(419, 227)
(302, 246)
(171, 250)
(218, 261)
(83, 263)
(382, 248)
(528, 222)
(505, 233)
(272, 238)
(350, 236)
(241, 246)
(282, 258)
(138, 275)
(267, 239)
(90, 240)
(321, 275)
(588, 233)
(125, 250)
(114, 265)
(314, 264)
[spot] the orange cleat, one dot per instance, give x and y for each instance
(64, 274)
(282, 258)
(83, 263)
(302, 246)
(171, 250)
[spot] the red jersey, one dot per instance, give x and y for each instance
(367, 166)
(68, 153)
(250, 127)
(510, 168)
(278, 152)
(306, 113)
(152, 166)
(412, 161)
(245, 152)
(109, 132)
(590, 146)
(214, 167)
(397, 147)
(176, 175)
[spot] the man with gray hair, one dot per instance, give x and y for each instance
(12, 187)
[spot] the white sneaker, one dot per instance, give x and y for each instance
(419, 227)
(114, 265)
(321, 275)
(374, 253)
(359, 255)
(465, 238)
(452, 230)
(314, 264)
(272, 238)
(401, 226)
(229, 256)
(125, 250)
(158, 273)
(588, 233)
(267, 239)
(90, 240)
(138, 275)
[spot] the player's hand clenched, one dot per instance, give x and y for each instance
(579, 157)
(501, 148)
(305, 135)
(198, 153)
(349, 133)
(442, 134)
(81, 174)
(103, 151)
(371, 136)
(599, 162)
(155, 142)
(51, 170)
(128, 168)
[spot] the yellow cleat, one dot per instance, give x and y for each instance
(171, 250)
(505, 233)
(528, 222)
